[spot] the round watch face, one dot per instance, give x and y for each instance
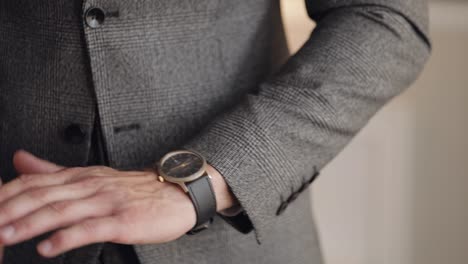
(182, 165)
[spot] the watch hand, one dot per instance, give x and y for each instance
(180, 165)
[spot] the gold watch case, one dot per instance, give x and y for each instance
(180, 181)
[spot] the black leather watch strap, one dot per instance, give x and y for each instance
(203, 197)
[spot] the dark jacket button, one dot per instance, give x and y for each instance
(282, 208)
(94, 17)
(75, 134)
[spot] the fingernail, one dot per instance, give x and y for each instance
(45, 247)
(7, 232)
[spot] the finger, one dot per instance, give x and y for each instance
(28, 181)
(51, 217)
(27, 163)
(89, 231)
(33, 199)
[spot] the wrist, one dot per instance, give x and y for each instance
(226, 202)
(224, 197)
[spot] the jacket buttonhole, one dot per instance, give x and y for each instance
(125, 128)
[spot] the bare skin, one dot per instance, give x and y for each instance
(94, 204)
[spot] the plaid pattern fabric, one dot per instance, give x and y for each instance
(204, 75)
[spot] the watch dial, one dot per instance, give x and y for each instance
(182, 165)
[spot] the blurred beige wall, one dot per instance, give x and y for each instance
(399, 192)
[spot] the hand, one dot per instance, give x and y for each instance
(94, 204)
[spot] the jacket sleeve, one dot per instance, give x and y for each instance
(273, 143)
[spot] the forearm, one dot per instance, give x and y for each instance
(270, 145)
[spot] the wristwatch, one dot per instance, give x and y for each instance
(188, 169)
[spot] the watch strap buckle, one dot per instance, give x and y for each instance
(200, 228)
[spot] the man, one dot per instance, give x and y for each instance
(166, 132)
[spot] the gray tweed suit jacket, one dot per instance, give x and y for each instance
(213, 76)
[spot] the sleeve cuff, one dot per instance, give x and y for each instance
(246, 155)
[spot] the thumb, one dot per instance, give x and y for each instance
(27, 163)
